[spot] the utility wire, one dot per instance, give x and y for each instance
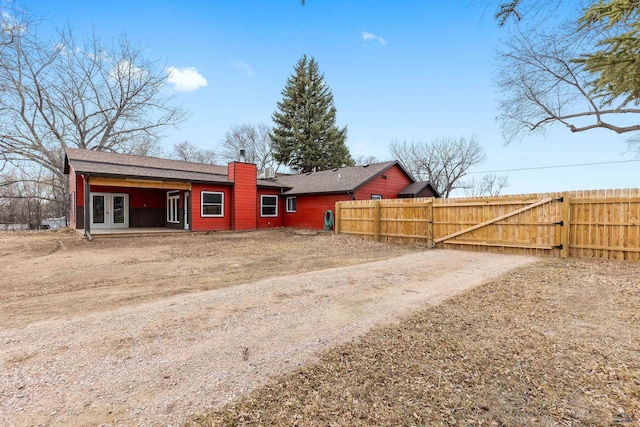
(556, 166)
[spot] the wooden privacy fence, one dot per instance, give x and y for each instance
(584, 224)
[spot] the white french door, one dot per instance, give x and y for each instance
(109, 210)
(186, 205)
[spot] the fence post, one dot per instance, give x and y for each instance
(376, 219)
(433, 219)
(336, 220)
(564, 233)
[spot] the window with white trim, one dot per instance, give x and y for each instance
(291, 204)
(268, 206)
(173, 207)
(376, 197)
(211, 204)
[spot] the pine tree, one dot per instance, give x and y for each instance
(615, 62)
(305, 136)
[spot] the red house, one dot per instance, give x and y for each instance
(124, 191)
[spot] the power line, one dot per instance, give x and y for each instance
(557, 166)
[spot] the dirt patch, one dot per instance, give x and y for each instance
(555, 343)
(195, 340)
(60, 275)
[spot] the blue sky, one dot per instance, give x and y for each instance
(398, 70)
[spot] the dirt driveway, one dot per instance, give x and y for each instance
(148, 331)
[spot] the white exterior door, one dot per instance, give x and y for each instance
(186, 210)
(109, 210)
(119, 216)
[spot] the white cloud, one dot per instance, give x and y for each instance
(243, 66)
(124, 71)
(366, 36)
(186, 79)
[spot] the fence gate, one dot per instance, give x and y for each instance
(513, 225)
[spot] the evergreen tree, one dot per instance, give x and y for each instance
(305, 136)
(615, 61)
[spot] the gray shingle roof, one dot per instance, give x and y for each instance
(113, 164)
(270, 183)
(340, 180)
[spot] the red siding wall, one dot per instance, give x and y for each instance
(310, 210)
(138, 197)
(270, 222)
(243, 203)
(79, 190)
(198, 223)
(388, 188)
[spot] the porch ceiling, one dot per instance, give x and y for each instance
(139, 183)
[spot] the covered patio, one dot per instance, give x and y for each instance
(131, 232)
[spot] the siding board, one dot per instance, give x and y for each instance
(388, 187)
(200, 223)
(270, 222)
(310, 210)
(244, 178)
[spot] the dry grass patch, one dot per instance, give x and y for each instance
(554, 343)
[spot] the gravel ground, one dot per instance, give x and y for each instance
(159, 362)
(553, 343)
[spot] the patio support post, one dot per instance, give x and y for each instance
(87, 206)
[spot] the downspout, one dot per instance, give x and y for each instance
(284, 211)
(232, 220)
(232, 193)
(351, 194)
(87, 207)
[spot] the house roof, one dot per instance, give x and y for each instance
(339, 180)
(110, 164)
(416, 188)
(270, 183)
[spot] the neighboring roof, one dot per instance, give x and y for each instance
(416, 188)
(110, 164)
(339, 180)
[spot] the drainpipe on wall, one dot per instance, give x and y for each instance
(284, 211)
(87, 207)
(351, 194)
(232, 220)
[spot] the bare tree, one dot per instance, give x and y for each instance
(254, 140)
(27, 196)
(89, 94)
(633, 145)
(13, 21)
(366, 160)
(443, 162)
(67, 92)
(543, 86)
(488, 185)
(189, 152)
